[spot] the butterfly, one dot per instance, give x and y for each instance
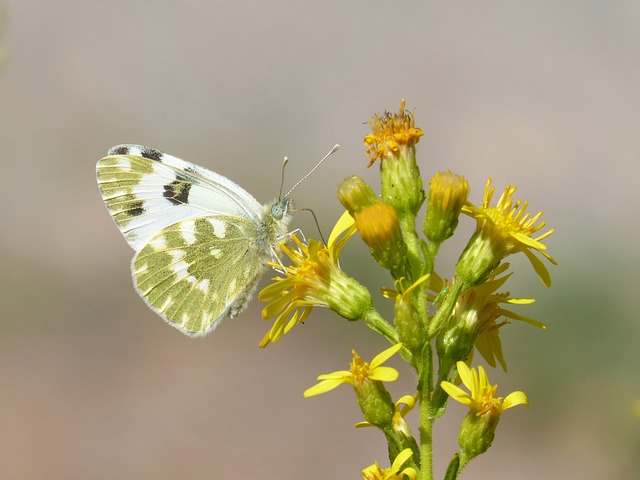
(201, 241)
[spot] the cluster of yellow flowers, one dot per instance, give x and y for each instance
(438, 322)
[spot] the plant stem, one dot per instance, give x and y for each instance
(378, 324)
(426, 438)
(425, 387)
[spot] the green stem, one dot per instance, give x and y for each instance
(464, 460)
(426, 438)
(414, 252)
(375, 322)
(425, 386)
(446, 309)
(378, 324)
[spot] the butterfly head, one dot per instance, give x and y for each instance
(280, 209)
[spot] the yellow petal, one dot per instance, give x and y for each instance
(456, 393)
(343, 223)
(384, 355)
(402, 457)
(528, 241)
(384, 374)
(539, 267)
(409, 402)
(335, 375)
(322, 387)
(515, 398)
(465, 374)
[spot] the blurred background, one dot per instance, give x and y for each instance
(543, 95)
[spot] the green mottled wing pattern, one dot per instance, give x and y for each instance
(196, 272)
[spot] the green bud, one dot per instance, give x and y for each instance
(379, 228)
(447, 195)
(409, 325)
(455, 344)
(354, 194)
(481, 256)
(477, 433)
(376, 403)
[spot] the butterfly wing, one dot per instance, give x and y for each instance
(146, 191)
(197, 271)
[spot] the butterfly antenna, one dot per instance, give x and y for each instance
(315, 219)
(333, 150)
(284, 164)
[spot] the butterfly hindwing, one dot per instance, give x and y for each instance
(197, 271)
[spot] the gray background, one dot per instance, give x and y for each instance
(541, 94)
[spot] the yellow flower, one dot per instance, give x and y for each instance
(475, 319)
(391, 134)
(359, 373)
(374, 472)
(502, 230)
(393, 141)
(481, 400)
(477, 430)
(313, 279)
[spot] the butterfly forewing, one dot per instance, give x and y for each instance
(145, 194)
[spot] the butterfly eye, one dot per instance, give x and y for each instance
(278, 210)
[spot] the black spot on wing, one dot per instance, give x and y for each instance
(151, 154)
(119, 150)
(136, 209)
(177, 192)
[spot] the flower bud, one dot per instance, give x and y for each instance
(409, 324)
(481, 256)
(447, 194)
(354, 194)
(379, 228)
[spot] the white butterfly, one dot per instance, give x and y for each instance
(201, 241)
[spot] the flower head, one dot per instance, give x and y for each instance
(360, 372)
(502, 230)
(393, 141)
(366, 378)
(314, 278)
(375, 472)
(475, 319)
(481, 398)
(391, 134)
(478, 428)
